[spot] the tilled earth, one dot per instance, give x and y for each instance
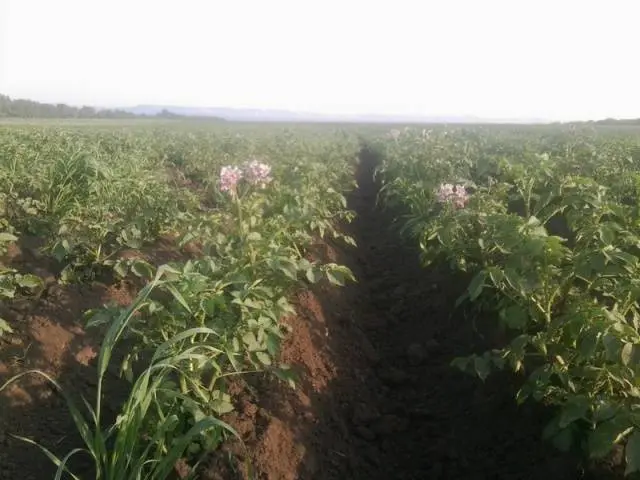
(376, 397)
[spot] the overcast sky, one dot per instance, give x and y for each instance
(553, 59)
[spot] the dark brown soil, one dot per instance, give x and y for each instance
(376, 396)
(48, 336)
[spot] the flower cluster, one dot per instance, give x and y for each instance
(254, 172)
(455, 194)
(229, 178)
(258, 173)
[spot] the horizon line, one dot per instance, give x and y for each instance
(382, 115)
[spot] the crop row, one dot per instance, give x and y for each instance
(245, 208)
(547, 226)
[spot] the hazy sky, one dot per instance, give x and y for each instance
(555, 59)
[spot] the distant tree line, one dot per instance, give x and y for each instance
(29, 109)
(20, 108)
(609, 121)
(616, 121)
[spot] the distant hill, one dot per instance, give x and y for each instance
(612, 121)
(270, 115)
(20, 108)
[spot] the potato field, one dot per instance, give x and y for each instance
(234, 301)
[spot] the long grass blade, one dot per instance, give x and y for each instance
(164, 467)
(54, 459)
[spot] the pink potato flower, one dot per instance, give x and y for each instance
(254, 172)
(229, 178)
(257, 173)
(455, 194)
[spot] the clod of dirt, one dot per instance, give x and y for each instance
(421, 412)
(364, 414)
(376, 322)
(369, 351)
(248, 408)
(220, 467)
(432, 345)
(400, 292)
(389, 424)
(365, 433)
(22, 305)
(416, 354)
(393, 376)
(49, 280)
(182, 469)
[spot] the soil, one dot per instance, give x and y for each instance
(376, 397)
(49, 336)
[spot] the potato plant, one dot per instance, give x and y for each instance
(548, 228)
(253, 203)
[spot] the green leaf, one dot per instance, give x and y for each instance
(273, 344)
(264, 358)
(99, 317)
(496, 276)
(142, 269)
(289, 269)
(121, 268)
(574, 410)
(286, 374)
(4, 327)
(59, 251)
(254, 237)
(604, 412)
(222, 404)
(604, 437)
(511, 276)
(313, 275)
(518, 345)
(514, 316)
(169, 272)
(461, 363)
(7, 237)
(60, 464)
(626, 353)
(476, 285)
(563, 440)
(164, 468)
(251, 303)
(178, 296)
(632, 453)
(349, 240)
(482, 367)
(304, 264)
(539, 342)
(251, 342)
(611, 346)
(533, 221)
(30, 281)
(338, 274)
(335, 278)
(607, 235)
(587, 344)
